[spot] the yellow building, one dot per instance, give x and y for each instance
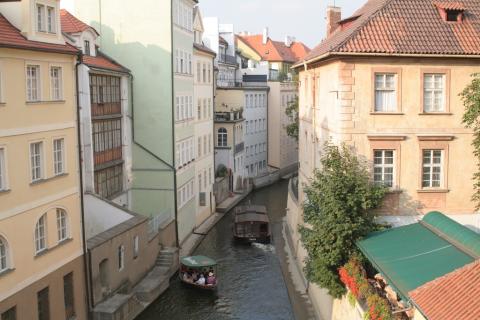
(41, 243)
(386, 81)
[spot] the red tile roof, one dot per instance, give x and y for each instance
(275, 50)
(70, 23)
(11, 37)
(101, 61)
(453, 296)
(448, 5)
(203, 48)
(406, 27)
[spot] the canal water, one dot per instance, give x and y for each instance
(254, 281)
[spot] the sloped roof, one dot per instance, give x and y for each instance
(453, 296)
(275, 50)
(203, 48)
(11, 37)
(405, 27)
(70, 23)
(101, 61)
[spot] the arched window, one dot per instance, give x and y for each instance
(222, 137)
(62, 225)
(4, 263)
(41, 234)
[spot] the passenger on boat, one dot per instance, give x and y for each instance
(211, 279)
(194, 275)
(187, 278)
(201, 280)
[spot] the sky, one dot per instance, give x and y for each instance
(303, 19)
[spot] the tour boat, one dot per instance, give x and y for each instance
(199, 265)
(251, 224)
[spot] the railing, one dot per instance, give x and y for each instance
(228, 116)
(225, 58)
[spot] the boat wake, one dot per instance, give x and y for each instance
(264, 247)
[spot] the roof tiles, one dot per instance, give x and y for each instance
(70, 23)
(275, 50)
(453, 296)
(406, 27)
(11, 37)
(102, 62)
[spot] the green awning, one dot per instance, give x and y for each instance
(198, 262)
(413, 255)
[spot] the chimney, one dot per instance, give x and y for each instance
(289, 40)
(265, 35)
(334, 15)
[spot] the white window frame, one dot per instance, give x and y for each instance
(433, 90)
(3, 169)
(62, 225)
(382, 165)
(222, 137)
(383, 86)
(430, 168)
(56, 83)
(4, 255)
(34, 90)
(41, 234)
(59, 157)
(51, 20)
(39, 165)
(41, 23)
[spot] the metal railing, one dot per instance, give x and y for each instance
(226, 58)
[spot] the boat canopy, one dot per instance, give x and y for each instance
(250, 209)
(251, 217)
(197, 261)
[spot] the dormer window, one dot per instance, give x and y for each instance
(46, 19)
(451, 11)
(86, 47)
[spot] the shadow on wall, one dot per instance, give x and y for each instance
(152, 112)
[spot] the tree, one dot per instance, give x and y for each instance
(338, 210)
(471, 119)
(292, 112)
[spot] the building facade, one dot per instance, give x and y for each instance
(204, 82)
(41, 242)
(397, 105)
(153, 179)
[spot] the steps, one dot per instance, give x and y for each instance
(167, 259)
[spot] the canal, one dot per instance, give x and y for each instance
(254, 281)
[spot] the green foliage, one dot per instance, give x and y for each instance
(378, 308)
(292, 113)
(338, 209)
(351, 299)
(471, 119)
(222, 171)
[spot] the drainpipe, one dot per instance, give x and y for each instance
(88, 279)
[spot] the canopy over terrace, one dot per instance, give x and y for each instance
(413, 255)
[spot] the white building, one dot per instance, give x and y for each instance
(204, 81)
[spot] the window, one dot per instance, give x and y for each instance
(56, 83)
(43, 304)
(36, 159)
(222, 137)
(200, 182)
(3, 255)
(10, 314)
(3, 170)
(136, 247)
(205, 145)
(62, 230)
(209, 73)
(51, 21)
(68, 296)
(40, 235)
(186, 193)
(33, 83)
(434, 92)
(121, 257)
(199, 147)
(58, 156)
(432, 168)
(40, 17)
(86, 47)
(209, 143)
(383, 167)
(385, 92)
(109, 181)
(198, 71)
(107, 136)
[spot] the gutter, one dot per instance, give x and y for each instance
(86, 265)
(402, 55)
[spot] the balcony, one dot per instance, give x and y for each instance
(239, 147)
(229, 116)
(228, 59)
